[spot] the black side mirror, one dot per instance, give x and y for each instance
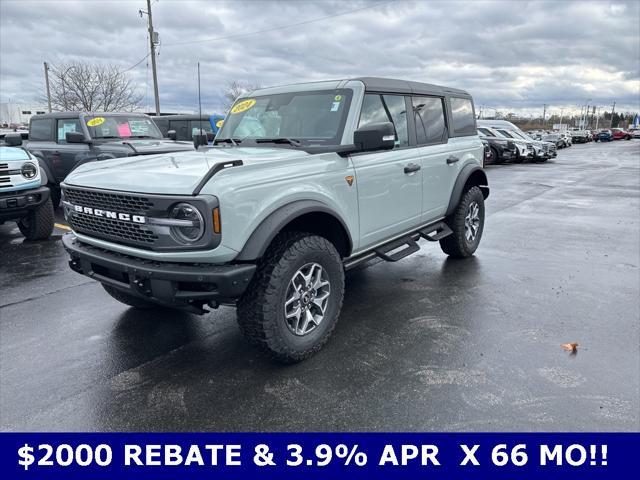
(13, 139)
(172, 135)
(75, 137)
(375, 136)
(199, 140)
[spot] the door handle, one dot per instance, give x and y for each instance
(412, 168)
(452, 160)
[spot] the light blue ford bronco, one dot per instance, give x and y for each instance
(303, 182)
(24, 198)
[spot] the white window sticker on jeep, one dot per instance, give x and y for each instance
(335, 105)
(94, 122)
(243, 106)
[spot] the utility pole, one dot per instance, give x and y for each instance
(544, 112)
(561, 110)
(153, 41)
(46, 81)
(597, 118)
(613, 109)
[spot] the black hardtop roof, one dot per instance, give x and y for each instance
(182, 116)
(90, 114)
(391, 85)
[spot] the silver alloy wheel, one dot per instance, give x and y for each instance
(307, 298)
(472, 222)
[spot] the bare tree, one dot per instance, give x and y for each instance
(87, 87)
(234, 89)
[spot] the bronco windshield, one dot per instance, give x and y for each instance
(291, 119)
(121, 126)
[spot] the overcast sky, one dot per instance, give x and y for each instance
(511, 55)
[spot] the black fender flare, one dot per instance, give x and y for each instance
(458, 187)
(262, 236)
(45, 170)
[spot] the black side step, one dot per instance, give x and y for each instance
(435, 232)
(410, 247)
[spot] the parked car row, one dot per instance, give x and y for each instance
(510, 144)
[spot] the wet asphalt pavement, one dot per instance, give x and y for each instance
(425, 344)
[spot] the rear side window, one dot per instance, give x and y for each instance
(462, 115)
(386, 108)
(429, 118)
(181, 127)
(41, 129)
(67, 125)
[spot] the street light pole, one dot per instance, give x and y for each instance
(152, 44)
(46, 81)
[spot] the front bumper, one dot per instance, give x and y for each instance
(17, 204)
(170, 284)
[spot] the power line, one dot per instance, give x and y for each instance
(280, 27)
(136, 64)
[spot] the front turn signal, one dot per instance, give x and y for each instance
(216, 220)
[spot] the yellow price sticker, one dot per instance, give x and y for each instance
(219, 123)
(94, 122)
(243, 106)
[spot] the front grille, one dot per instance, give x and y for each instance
(100, 226)
(109, 201)
(117, 230)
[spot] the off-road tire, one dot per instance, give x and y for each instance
(128, 299)
(39, 222)
(260, 310)
(456, 245)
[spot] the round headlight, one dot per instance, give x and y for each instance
(193, 228)
(29, 170)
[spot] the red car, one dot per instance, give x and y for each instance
(619, 134)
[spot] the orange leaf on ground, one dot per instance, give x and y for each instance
(571, 347)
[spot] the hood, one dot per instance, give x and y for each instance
(172, 174)
(150, 146)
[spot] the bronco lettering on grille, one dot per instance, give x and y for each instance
(96, 212)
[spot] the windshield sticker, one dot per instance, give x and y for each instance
(219, 123)
(335, 105)
(94, 122)
(337, 98)
(124, 130)
(243, 106)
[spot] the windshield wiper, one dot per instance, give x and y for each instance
(290, 141)
(234, 141)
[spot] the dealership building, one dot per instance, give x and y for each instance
(19, 112)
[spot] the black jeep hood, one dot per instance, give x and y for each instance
(151, 146)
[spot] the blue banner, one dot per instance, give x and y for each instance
(318, 455)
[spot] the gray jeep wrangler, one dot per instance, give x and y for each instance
(303, 182)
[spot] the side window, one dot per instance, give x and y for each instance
(398, 110)
(429, 118)
(67, 125)
(386, 108)
(373, 111)
(182, 129)
(462, 115)
(196, 125)
(41, 129)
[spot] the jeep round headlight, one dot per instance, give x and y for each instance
(193, 227)
(29, 170)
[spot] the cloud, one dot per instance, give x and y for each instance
(514, 56)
